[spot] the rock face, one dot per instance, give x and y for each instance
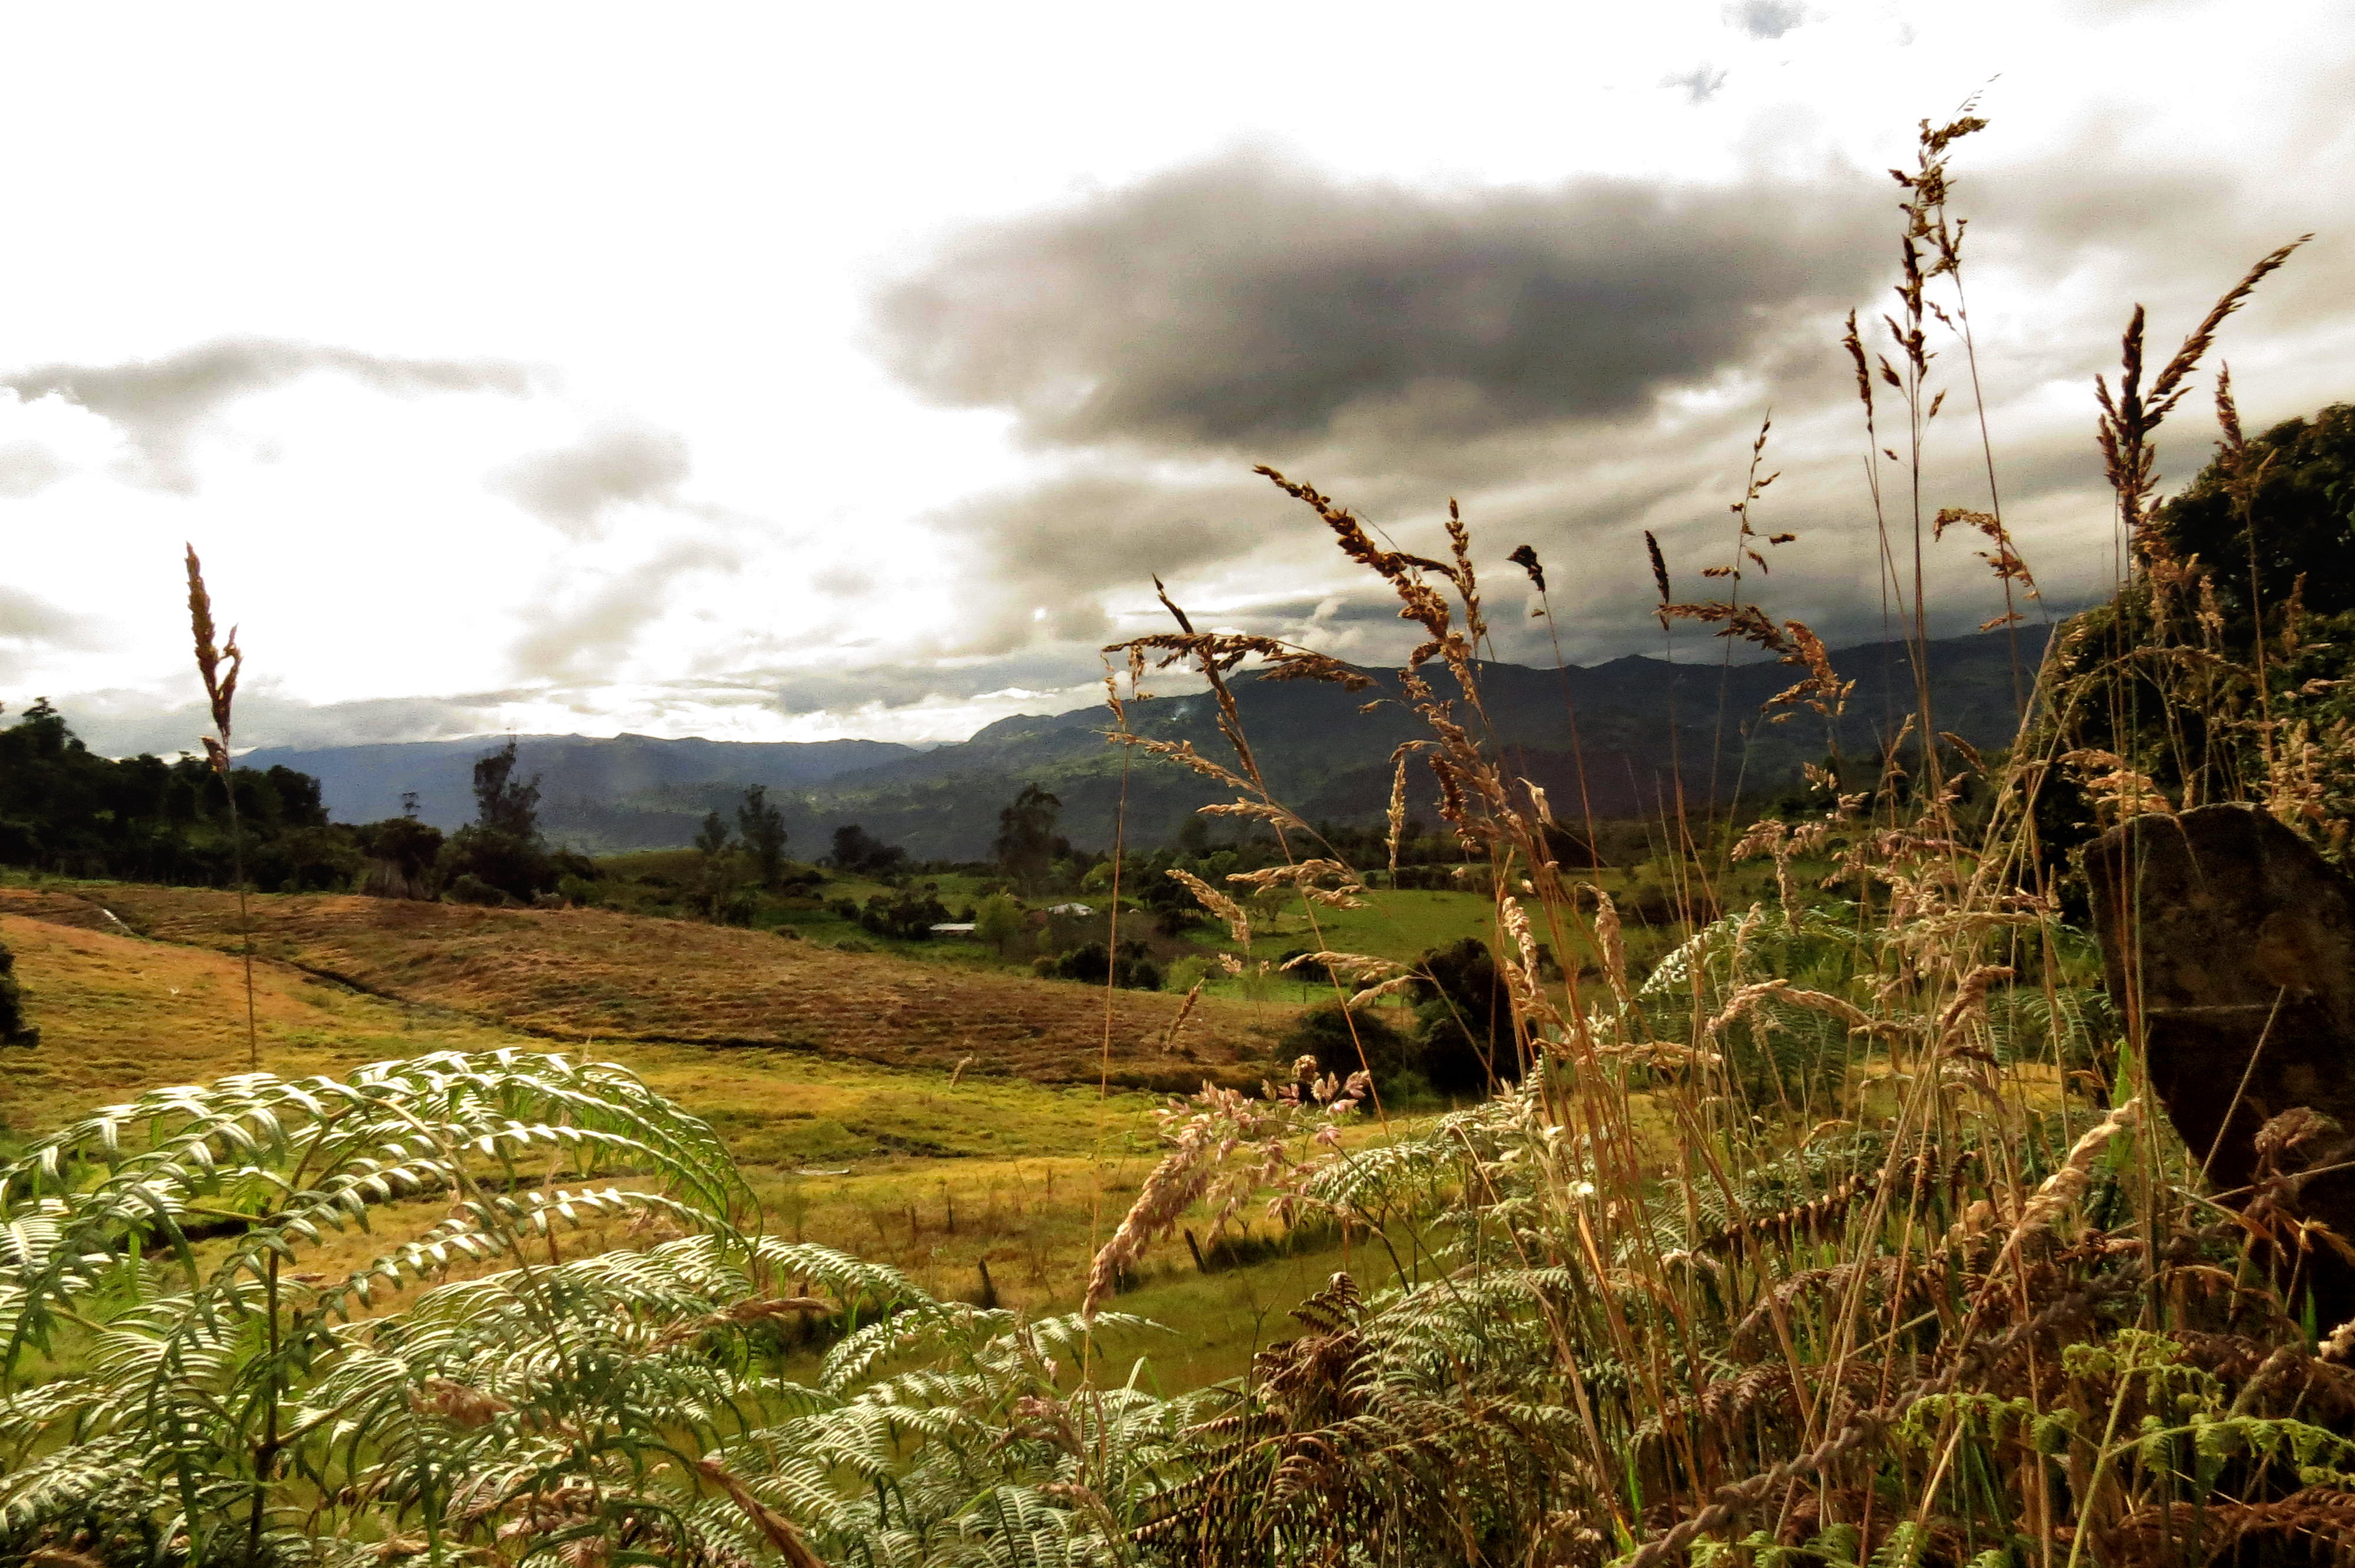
(2233, 944)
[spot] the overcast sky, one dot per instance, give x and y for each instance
(784, 373)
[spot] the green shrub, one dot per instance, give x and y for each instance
(1343, 1043)
(14, 1031)
(1092, 964)
(468, 888)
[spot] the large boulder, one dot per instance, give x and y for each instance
(2230, 947)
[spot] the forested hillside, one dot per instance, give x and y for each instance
(64, 809)
(1637, 722)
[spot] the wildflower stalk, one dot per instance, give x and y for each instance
(219, 668)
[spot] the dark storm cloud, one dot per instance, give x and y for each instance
(573, 486)
(1246, 303)
(1067, 558)
(1512, 349)
(159, 404)
(1370, 606)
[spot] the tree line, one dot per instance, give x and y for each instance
(66, 810)
(69, 812)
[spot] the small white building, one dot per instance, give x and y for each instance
(1069, 910)
(953, 928)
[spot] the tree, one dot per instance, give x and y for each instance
(998, 920)
(500, 852)
(14, 1031)
(1464, 1019)
(858, 851)
(502, 803)
(908, 916)
(711, 838)
(1026, 837)
(1344, 1042)
(401, 850)
(718, 892)
(1303, 968)
(64, 808)
(2264, 539)
(762, 828)
(1194, 838)
(1128, 967)
(2287, 508)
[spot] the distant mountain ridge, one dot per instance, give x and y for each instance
(365, 783)
(1642, 725)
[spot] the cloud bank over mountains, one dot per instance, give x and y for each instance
(1577, 364)
(914, 489)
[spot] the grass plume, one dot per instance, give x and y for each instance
(219, 667)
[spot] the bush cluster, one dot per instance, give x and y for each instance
(1130, 969)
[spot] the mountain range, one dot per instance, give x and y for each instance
(1640, 724)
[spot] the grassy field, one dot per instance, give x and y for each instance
(1403, 925)
(938, 1173)
(1399, 925)
(835, 1077)
(586, 975)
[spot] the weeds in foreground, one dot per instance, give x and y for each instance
(219, 667)
(1914, 1276)
(1847, 1234)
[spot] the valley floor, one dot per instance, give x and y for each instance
(869, 1137)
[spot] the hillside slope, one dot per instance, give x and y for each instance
(585, 975)
(1327, 753)
(935, 1177)
(1324, 753)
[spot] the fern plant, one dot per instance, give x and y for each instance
(183, 1388)
(171, 1366)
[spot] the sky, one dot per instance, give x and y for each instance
(773, 372)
